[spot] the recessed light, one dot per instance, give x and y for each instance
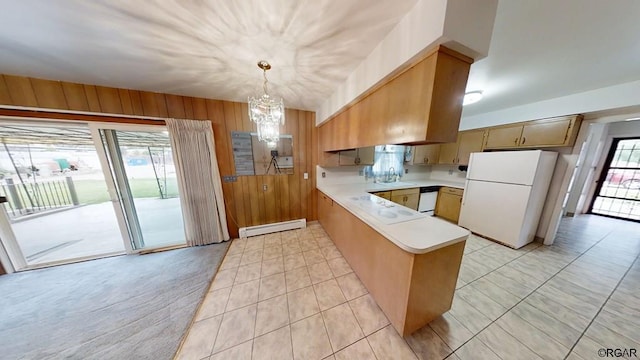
(632, 119)
(472, 97)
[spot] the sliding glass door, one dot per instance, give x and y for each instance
(78, 191)
(141, 164)
(58, 207)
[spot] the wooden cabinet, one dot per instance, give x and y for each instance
(326, 213)
(458, 153)
(383, 194)
(448, 203)
(503, 137)
(359, 156)
(546, 133)
(418, 104)
(406, 197)
(411, 289)
(329, 159)
(551, 132)
(425, 155)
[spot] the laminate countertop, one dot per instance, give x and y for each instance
(419, 234)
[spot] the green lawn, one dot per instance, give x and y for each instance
(88, 191)
(95, 191)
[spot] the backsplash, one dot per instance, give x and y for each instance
(447, 173)
(351, 174)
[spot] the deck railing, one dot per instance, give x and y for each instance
(34, 197)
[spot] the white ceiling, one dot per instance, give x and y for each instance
(197, 48)
(545, 49)
(540, 49)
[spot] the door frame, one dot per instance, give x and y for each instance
(604, 170)
(11, 256)
(112, 187)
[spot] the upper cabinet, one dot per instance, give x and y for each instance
(551, 132)
(359, 156)
(458, 153)
(418, 105)
(424, 155)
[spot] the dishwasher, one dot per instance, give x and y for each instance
(428, 196)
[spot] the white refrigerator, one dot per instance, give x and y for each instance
(504, 194)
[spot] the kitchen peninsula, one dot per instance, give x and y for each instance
(408, 261)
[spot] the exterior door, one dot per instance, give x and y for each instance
(618, 189)
(140, 162)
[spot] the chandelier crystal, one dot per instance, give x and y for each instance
(267, 112)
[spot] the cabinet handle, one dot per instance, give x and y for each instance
(426, 160)
(357, 160)
(524, 139)
(516, 141)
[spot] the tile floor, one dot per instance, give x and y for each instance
(292, 295)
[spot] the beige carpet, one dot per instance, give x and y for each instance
(125, 307)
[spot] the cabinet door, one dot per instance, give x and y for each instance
(348, 157)
(412, 201)
(329, 159)
(448, 206)
(366, 155)
(324, 209)
(328, 215)
(425, 154)
(552, 133)
(468, 142)
(383, 194)
(503, 137)
(398, 199)
(448, 153)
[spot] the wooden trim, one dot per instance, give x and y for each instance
(288, 197)
(43, 114)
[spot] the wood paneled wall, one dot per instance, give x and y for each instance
(286, 197)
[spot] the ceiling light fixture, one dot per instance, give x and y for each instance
(472, 97)
(267, 112)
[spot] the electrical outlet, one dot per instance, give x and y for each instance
(264, 187)
(324, 174)
(305, 176)
(406, 171)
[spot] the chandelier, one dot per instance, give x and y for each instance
(267, 112)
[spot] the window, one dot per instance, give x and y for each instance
(388, 162)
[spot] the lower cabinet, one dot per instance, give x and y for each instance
(411, 289)
(406, 197)
(449, 203)
(383, 194)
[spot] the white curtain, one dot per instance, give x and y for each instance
(199, 182)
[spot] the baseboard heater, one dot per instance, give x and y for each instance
(271, 228)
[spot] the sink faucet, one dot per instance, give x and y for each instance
(392, 174)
